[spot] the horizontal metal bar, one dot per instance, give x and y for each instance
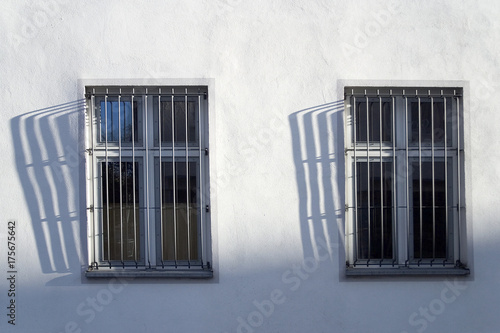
(403, 91)
(192, 273)
(149, 94)
(388, 148)
(371, 271)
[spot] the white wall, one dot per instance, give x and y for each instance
(276, 67)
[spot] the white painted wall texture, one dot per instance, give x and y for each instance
(278, 250)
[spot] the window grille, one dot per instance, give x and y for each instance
(404, 178)
(148, 175)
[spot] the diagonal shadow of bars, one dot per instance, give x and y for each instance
(48, 162)
(318, 146)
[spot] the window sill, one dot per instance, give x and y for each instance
(406, 271)
(150, 273)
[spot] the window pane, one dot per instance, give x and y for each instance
(179, 121)
(426, 125)
(376, 111)
(180, 211)
(116, 119)
(122, 226)
(429, 212)
(374, 210)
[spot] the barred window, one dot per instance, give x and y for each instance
(147, 181)
(405, 207)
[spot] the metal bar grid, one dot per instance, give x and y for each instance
(424, 151)
(115, 154)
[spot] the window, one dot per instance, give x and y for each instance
(405, 205)
(147, 162)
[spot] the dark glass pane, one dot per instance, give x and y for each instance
(432, 119)
(166, 121)
(120, 223)
(377, 111)
(179, 121)
(167, 208)
(180, 219)
(374, 210)
(429, 212)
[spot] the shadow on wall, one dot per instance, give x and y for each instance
(318, 146)
(47, 145)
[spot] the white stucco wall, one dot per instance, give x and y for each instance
(276, 67)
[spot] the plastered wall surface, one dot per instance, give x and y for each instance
(276, 160)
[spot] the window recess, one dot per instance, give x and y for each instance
(147, 181)
(405, 208)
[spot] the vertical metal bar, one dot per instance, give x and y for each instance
(124, 121)
(394, 225)
(368, 173)
(200, 179)
(174, 179)
(433, 184)
(146, 144)
(355, 178)
(187, 176)
(407, 180)
(446, 174)
(133, 174)
(420, 170)
(100, 120)
(107, 172)
(120, 173)
(90, 142)
(459, 187)
(161, 177)
(381, 183)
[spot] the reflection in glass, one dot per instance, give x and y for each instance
(116, 119)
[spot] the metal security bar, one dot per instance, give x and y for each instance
(134, 185)
(148, 161)
(187, 178)
(182, 216)
(459, 158)
(355, 164)
(419, 170)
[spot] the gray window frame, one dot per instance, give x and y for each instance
(147, 152)
(401, 152)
